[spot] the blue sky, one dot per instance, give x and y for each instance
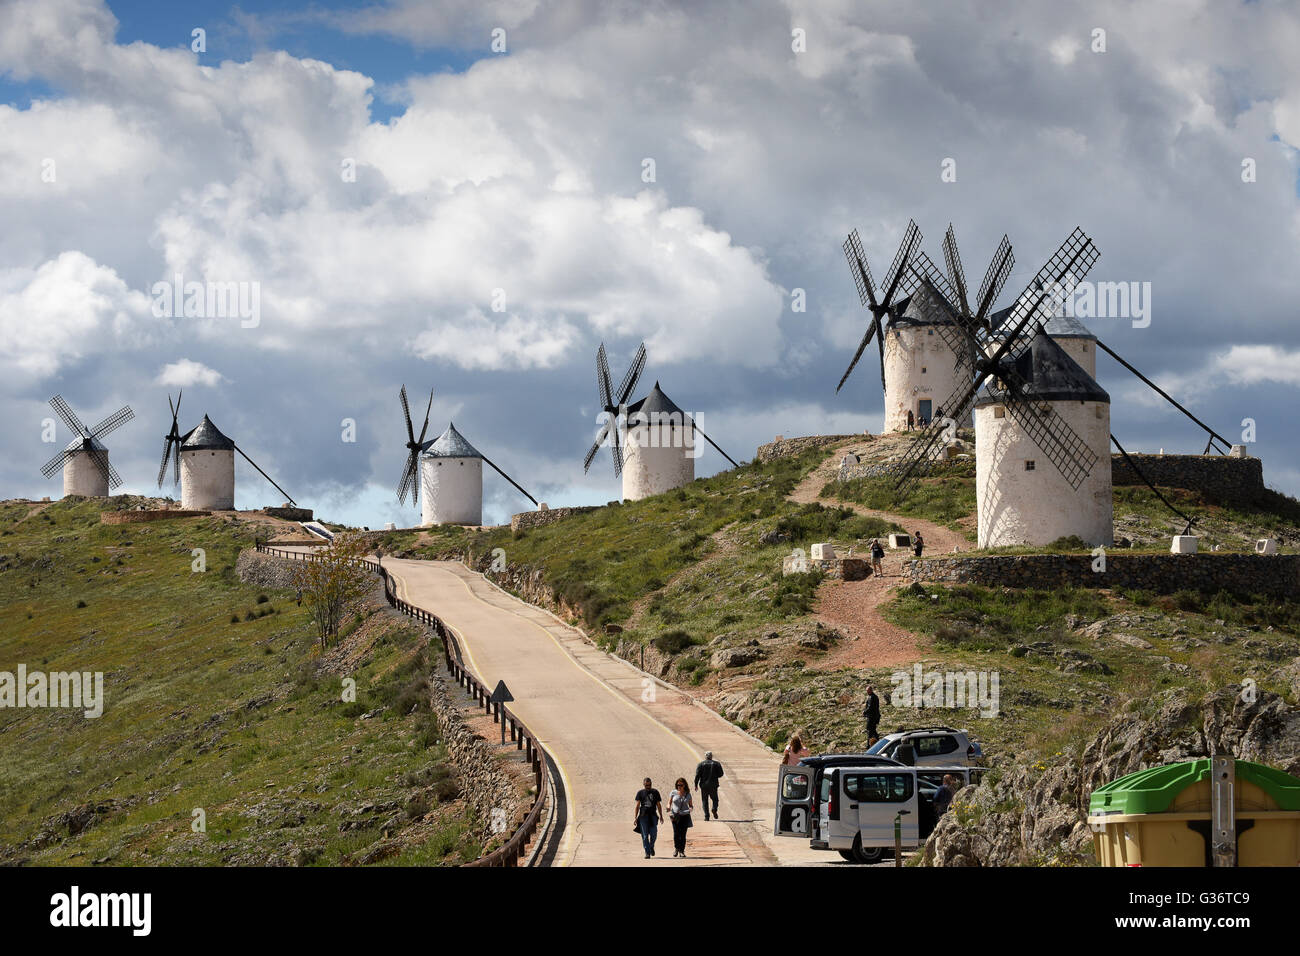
(525, 173)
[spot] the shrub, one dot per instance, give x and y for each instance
(262, 599)
(446, 789)
(81, 604)
(234, 619)
(673, 642)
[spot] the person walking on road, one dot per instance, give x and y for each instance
(794, 752)
(649, 814)
(707, 775)
(877, 555)
(871, 714)
(679, 811)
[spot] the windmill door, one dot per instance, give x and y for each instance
(923, 409)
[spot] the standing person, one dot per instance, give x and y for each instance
(911, 420)
(918, 544)
(877, 555)
(648, 804)
(794, 751)
(679, 811)
(943, 796)
(905, 753)
(707, 775)
(871, 713)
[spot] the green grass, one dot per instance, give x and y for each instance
(946, 496)
(236, 719)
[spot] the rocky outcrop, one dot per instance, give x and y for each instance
(1036, 813)
(793, 447)
(538, 519)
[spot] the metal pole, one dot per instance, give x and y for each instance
(1223, 810)
(898, 840)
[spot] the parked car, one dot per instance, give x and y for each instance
(850, 807)
(932, 746)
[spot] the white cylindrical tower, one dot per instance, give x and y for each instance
(921, 371)
(207, 469)
(451, 477)
(81, 476)
(1022, 498)
(658, 447)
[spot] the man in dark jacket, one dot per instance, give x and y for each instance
(871, 714)
(707, 775)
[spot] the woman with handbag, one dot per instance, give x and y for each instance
(679, 811)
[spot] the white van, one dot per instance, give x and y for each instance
(852, 808)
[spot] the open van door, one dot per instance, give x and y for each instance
(877, 796)
(794, 802)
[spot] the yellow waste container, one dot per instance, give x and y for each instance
(1162, 816)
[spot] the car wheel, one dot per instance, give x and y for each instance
(847, 855)
(863, 854)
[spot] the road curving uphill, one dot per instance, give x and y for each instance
(607, 725)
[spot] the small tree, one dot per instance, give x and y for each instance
(333, 584)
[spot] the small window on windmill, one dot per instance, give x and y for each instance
(922, 369)
(1029, 464)
(999, 411)
(929, 331)
(1097, 410)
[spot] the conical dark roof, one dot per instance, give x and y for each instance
(206, 436)
(656, 405)
(450, 444)
(1051, 374)
(925, 306)
(1058, 326)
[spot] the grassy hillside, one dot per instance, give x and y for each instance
(216, 700)
(699, 569)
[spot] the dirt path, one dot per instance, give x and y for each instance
(853, 607)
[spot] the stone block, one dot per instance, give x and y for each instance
(900, 540)
(1184, 544)
(823, 551)
(1266, 546)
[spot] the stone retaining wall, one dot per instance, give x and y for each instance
(1220, 478)
(265, 570)
(1277, 575)
(792, 447)
(537, 519)
(484, 783)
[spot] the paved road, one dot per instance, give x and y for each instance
(607, 725)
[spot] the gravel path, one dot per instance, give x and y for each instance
(853, 607)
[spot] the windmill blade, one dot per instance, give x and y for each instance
(602, 378)
(898, 270)
(69, 418)
(880, 344)
(1053, 435)
(862, 347)
(633, 374)
(57, 462)
(176, 462)
(1073, 259)
(963, 338)
(425, 427)
(408, 477)
(509, 479)
(100, 458)
(995, 278)
(952, 258)
(857, 257)
(406, 411)
(176, 409)
(715, 445)
(162, 466)
(617, 451)
(268, 477)
(931, 442)
(594, 449)
(113, 422)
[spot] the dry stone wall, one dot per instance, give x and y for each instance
(792, 447)
(536, 519)
(1220, 478)
(1277, 574)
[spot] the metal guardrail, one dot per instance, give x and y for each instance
(507, 854)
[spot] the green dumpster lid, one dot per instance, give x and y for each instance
(1154, 789)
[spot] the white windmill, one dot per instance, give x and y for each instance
(86, 469)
